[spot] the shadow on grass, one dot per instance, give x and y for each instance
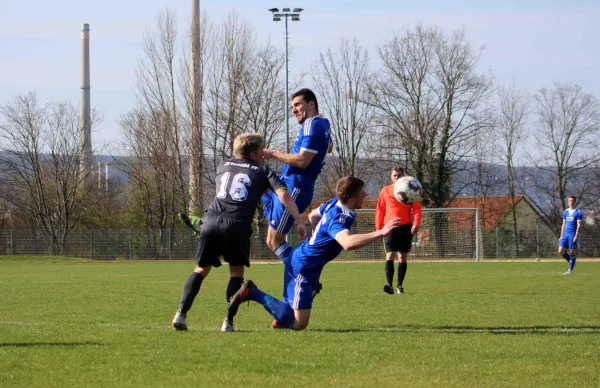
(498, 330)
(43, 344)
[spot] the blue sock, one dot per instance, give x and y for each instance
(283, 251)
(572, 262)
(281, 311)
(567, 257)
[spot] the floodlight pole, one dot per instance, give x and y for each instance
(286, 13)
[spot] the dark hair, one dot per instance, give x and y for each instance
(348, 187)
(401, 170)
(572, 196)
(308, 96)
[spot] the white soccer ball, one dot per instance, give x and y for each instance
(407, 190)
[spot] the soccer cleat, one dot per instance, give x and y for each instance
(227, 327)
(399, 290)
(276, 325)
(388, 289)
(569, 272)
(242, 295)
(189, 222)
(179, 322)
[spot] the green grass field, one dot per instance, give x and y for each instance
(459, 325)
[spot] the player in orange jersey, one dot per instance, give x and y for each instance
(400, 240)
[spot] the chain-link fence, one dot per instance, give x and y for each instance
(445, 234)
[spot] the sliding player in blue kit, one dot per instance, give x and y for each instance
(303, 266)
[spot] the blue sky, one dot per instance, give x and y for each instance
(532, 42)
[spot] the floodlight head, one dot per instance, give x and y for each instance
(274, 10)
(298, 9)
(277, 19)
(285, 10)
(295, 18)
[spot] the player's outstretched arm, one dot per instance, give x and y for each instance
(351, 242)
(300, 160)
(287, 201)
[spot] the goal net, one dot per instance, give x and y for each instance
(447, 233)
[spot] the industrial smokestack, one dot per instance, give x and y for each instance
(85, 164)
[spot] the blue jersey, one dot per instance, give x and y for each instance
(314, 136)
(311, 255)
(571, 217)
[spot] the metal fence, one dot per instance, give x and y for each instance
(444, 235)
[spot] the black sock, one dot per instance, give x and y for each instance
(233, 287)
(190, 290)
(389, 271)
(401, 272)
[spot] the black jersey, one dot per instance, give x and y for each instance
(240, 185)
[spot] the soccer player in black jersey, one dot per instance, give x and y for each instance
(227, 226)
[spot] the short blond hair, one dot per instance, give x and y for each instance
(246, 143)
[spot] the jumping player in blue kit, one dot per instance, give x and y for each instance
(303, 266)
(570, 234)
(301, 168)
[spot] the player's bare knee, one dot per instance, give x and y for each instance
(300, 325)
(301, 318)
(204, 271)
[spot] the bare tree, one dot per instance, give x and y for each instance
(511, 131)
(429, 99)
(156, 133)
(341, 78)
(567, 140)
(243, 92)
(262, 93)
(40, 163)
(235, 40)
(157, 93)
(149, 165)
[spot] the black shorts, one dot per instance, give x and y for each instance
(223, 236)
(400, 240)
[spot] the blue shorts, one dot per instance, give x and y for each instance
(298, 288)
(278, 216)
(567, 242)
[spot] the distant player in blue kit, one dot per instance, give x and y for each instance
(303, 265)
(570, 234)
(301, 167)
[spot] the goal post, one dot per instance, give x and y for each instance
(445, 234)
